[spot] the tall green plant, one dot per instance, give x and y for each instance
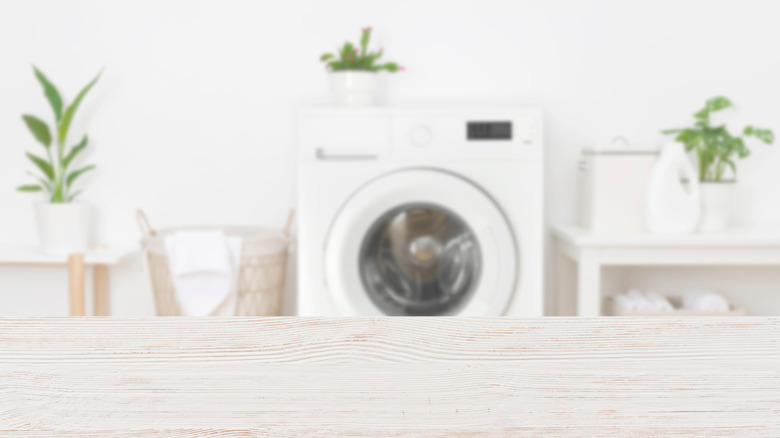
(56, 176)
(715, 147)
(350, 57)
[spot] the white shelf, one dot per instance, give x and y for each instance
(591, 252)
(16, 254)
(767, 236)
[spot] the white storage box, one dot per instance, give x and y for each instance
(612, 182)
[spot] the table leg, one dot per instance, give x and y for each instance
(588, 286)
(100, 289)
(76, 284)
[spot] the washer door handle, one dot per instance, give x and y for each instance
(323, 155)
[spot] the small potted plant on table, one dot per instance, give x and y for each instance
(716, 149)
(353, 71)
(63, 225)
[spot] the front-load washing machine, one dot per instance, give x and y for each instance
(411, 211)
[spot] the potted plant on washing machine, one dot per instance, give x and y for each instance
(353, 72)
(716, 150)
(63, 224)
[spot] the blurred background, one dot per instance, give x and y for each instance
(194, 117)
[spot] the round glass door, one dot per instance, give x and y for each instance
(420, 242)
(420, 260)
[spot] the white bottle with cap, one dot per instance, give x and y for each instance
(671, 206)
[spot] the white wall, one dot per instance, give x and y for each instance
(193, 117)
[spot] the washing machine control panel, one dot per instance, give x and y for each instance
(421, 134)
(494, 135)
(489, 130)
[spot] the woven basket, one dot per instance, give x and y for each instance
(261, 275)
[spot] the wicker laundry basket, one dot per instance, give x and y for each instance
(261, 274)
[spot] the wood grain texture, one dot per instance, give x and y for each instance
(409, 377)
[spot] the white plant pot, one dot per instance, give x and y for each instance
(63, 228)
(354, 88)
(715, 205)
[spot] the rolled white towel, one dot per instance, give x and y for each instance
(645, 305)
(705, 302)
(627, 303)
(659, 302)
(637, 301)
(633, 301)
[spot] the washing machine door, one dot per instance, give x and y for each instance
(421, 242)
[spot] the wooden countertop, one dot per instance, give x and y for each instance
(409, 377)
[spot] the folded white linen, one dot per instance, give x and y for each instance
(197, 251)
(204, 266)
(703, 301)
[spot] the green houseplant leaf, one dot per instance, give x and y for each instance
(76, 173)
(73, 196)
(30, 188)
(42, 164)
(39, 129)
(733, 166)
(365, 37)
(392, 67)
(56, 180)
(740, 148)
(67, 117)
(718, 103)
(73, 152)
(352, 57)
(44, 183)
(715, 146)
(51, 93)
(765, 135)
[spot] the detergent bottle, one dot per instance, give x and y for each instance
(673, 206)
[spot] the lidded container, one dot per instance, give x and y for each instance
(612, 186)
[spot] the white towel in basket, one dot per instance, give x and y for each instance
(204, 267)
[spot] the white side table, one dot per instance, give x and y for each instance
(593, 251)
(99, 259)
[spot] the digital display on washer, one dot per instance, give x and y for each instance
(489, 131)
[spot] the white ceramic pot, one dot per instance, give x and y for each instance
(354, 87)
(63, 228)
(715, 205)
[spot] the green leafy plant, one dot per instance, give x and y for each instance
(714, 146)
(56, 176)
(351, 57)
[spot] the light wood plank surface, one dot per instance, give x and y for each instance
(411, 377)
